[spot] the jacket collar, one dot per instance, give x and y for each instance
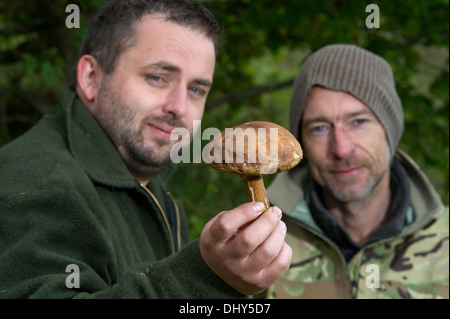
(93, 149)
(425, 201)
(90, 145)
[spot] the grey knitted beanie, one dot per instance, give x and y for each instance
(354, 70)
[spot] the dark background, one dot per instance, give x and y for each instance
(265, 43)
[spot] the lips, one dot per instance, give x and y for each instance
(347, 172)
(161, 130)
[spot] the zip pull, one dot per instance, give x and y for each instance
(174, 215)
(166, 221)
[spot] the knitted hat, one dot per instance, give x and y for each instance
(354, 70)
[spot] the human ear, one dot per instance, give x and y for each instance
(88, 76)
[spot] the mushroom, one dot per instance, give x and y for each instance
(252, 150)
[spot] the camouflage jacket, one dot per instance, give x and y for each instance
(413, 264)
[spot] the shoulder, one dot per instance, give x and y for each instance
(37, 160)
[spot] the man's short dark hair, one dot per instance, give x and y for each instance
(112, 30)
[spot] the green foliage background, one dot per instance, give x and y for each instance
(265, 43)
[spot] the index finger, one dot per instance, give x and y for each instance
(228, 223)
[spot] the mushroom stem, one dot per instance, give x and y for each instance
(256, 192)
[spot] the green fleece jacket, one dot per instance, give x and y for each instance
(75, 224)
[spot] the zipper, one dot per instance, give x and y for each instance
(177, 214)
(166, 221)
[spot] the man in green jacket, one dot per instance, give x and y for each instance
(84, 210)
(363, 220)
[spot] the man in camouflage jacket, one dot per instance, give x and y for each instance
(358, 228)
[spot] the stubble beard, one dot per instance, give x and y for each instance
(116, 118)
(354, 195)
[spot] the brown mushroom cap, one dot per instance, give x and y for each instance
(250, 158)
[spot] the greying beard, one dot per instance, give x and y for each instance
(355, 196)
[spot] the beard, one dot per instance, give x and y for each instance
(117, 119)
(345, 193)
(352, 195)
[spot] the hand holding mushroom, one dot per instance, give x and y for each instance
(245, 245)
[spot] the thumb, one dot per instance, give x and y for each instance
(226, 224)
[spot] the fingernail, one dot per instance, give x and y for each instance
(282, 225)
(276, 211)
(258, 207)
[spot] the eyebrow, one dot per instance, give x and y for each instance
(164, 66)
(175, 69)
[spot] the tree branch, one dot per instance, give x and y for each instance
(242, 96)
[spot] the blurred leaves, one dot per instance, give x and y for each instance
(265, 43)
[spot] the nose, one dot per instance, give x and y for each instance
(342, 144)
(176, 103)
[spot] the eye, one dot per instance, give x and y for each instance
(197, 91)
(318, 129)
(154, 78)
(360, 121)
